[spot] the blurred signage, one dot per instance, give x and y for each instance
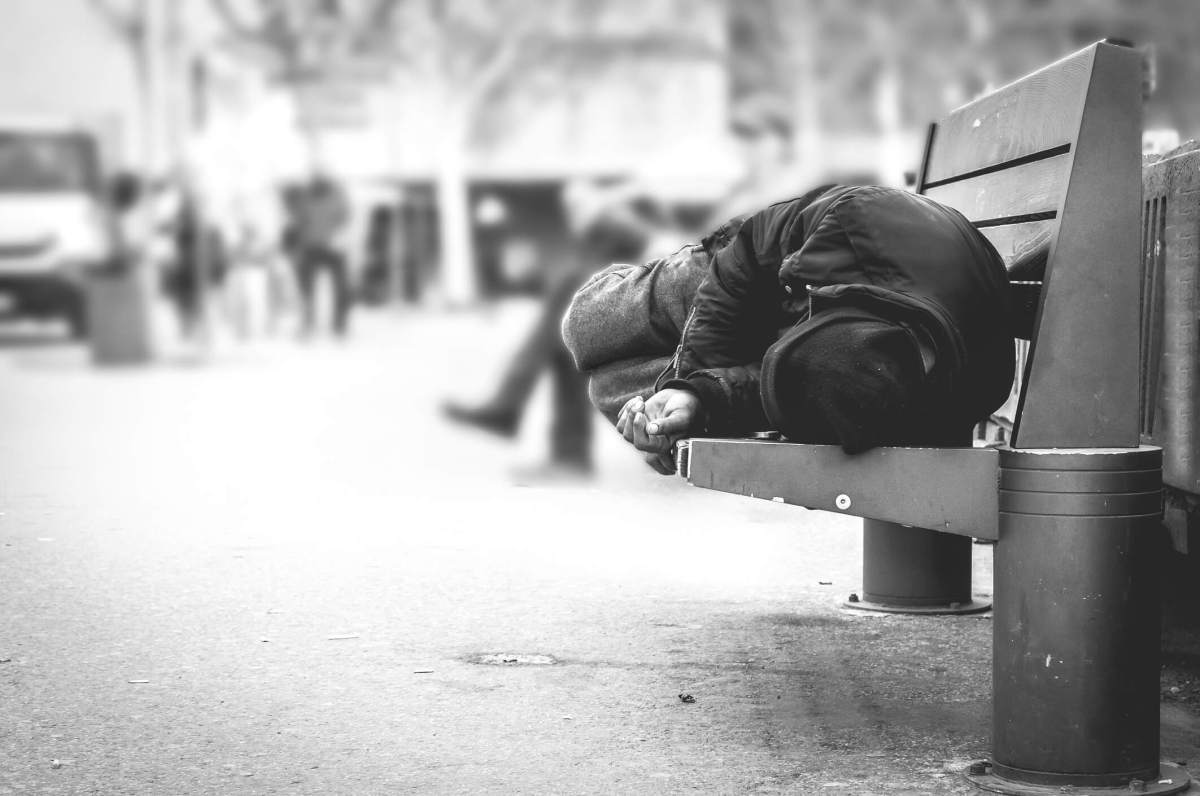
(359, 70)
(332, 104)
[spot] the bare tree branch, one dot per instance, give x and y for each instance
(127, 22)
(232, 19)
(377, 27)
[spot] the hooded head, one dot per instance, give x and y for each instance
(855, 382)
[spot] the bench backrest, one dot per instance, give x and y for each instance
(1051, 164)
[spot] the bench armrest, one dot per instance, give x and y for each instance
(954, 490)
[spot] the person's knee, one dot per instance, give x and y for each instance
(856, 383)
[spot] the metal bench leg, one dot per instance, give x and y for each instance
(915, 570)
(1076, 623)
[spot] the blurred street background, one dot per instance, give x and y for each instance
(296, 492)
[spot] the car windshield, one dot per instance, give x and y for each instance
(46, 163)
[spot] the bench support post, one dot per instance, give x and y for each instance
(1076, 623)
(915, 570)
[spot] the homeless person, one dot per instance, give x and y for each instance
(855, 316)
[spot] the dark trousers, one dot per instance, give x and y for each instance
(310, 263)
(571, 425)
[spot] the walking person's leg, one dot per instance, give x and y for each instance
(571, 424)
(501, 413)
(306, 273)
(342, 299)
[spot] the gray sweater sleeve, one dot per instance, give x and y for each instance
(633, 311)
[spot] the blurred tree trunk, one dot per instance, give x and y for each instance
(807, 134)
(139, 24)
(459, 280)
(120, 305)
(894, 157)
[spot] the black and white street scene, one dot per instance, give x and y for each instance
(599, 397)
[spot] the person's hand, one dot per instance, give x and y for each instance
(631, 424)
(655, 425)
(673, 414)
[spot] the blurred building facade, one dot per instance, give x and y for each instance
(461, 125)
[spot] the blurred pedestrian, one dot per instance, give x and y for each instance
(320, 214)
(614, 234)
(199, 266)
(131, 222)
(251, 259)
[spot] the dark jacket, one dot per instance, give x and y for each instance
(898, 255)
(322, 212)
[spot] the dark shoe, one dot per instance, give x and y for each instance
(495, 421)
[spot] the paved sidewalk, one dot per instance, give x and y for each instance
(281, 572)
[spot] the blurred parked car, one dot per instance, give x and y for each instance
(54, 220)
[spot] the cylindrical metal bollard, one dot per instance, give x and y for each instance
(1076, 622)
(915, 570)
(912, 570)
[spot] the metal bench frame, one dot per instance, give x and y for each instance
(1074, 503)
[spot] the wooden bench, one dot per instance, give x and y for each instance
(1049, 164)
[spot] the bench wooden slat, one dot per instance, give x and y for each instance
(1020, 245)
(1028, 189)
(996, 129)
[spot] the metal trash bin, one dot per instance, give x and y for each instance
(120, 315)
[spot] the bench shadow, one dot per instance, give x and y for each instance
(915, 686)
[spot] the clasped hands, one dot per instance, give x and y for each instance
(654, 425)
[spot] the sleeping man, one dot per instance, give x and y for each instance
(853, 316)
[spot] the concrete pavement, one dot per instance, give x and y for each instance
(281, 572)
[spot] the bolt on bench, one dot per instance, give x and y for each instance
(1074, 502)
